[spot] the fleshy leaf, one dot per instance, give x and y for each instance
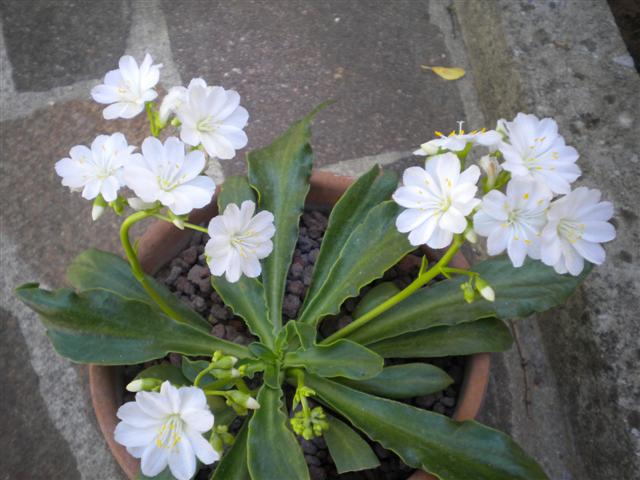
(348, 450)
(273, 451)
(486, 335)
(342, 358)
(245, 297)
(99, 326)
(95, 269)
(373, 247)
(349, 212)
(280, 173)
(429, 441)
(165, 371)
(520, 292)
(403, 381)
(374, 297)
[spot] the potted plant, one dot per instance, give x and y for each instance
(183, 415)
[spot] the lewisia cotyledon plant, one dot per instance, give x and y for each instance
(97, 170)
(239, 240)
(438, 198)
(165, 173)
(226, 403)
(127, 89)
(165, 428)
(535, 150)
(513, 222)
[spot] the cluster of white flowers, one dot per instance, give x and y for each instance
(166, 428)
(527, 220)
(172, 174)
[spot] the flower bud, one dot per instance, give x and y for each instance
(468, 292)
(98, 207)
(491, 168)
(485, 290)
(216, 442)
(243, 399)
(226, 362)
(143, 384)
(178, 222)
(429, 148)
(470, 235)
(96, 211)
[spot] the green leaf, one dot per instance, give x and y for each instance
(262, 352)
(233, 465)
(245, 297)
(349, 451)
(273, 451)
(165, 371)
(349, 212)
(280, 173)
(342, 358)
(373, 247)
(374, 297)
(296, 335)
(450, 450)
(486, 335)
(520, 292)
(94, 269)
(99, 326)
(403, 381)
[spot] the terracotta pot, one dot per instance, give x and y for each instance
(162, 242)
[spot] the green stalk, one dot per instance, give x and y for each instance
(152, 121)
(421, 280)
(136, 269)
(186, 224)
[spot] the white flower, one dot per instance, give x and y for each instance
(437, 198)
(97, 170)
(457, 141)
(239, 240)
(164, 173)
(213, 117)
(171, 102)
(165, 428)
(128, 88)
(514, 221)
(577, 225)
(535, 150)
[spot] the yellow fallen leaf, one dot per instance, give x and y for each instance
(448, 73)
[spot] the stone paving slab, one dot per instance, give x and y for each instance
(285, 57)
(52, 44)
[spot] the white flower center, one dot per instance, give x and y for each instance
(168, 178)
(170, 433)
(242, 241)
(571, 231)
(207, 125)
(444, 204)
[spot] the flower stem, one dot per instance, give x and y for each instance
(136, 269)
(186, 224)
(202, 373)
(421, 280)
(152, 121)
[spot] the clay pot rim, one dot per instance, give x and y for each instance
(161, 242)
